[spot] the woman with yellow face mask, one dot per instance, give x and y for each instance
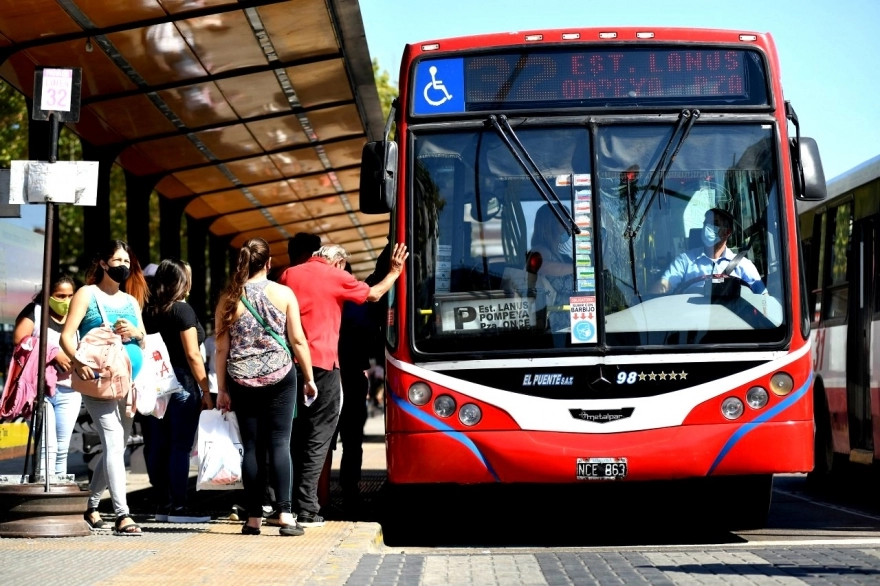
(63, 407)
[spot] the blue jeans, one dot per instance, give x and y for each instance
(170, 441)
(61, 413)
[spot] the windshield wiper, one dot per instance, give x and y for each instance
(686, 119)
(540, 182)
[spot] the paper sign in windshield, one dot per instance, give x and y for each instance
(583, 320)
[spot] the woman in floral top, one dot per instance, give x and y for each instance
(256, 378)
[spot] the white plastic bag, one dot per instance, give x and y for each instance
(219, 449)
(144, 397)
(156, 370)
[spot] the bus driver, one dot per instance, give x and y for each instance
(711, 259)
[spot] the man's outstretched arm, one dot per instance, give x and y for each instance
(398, 257)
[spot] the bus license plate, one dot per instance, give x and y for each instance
(601, 468)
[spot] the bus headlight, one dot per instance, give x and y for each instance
(444, 406)
(470, 414)
(419, 394)
(757, 397)
(781, 384)
(732, 408)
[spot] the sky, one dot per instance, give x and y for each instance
(829, 50)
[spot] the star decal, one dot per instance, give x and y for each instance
(642, 376)
(662, 376)
(652, 376)
(682, 375)
(673, 375)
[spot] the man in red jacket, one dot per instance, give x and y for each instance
(322, 286)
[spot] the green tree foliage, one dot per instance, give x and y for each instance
(13, 125)
(387, 88)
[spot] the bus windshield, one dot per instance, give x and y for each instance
(496, 267)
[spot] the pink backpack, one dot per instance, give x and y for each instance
(20, 391)
(101, 350)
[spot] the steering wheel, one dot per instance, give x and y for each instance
(683, 286)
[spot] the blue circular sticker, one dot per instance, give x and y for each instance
(584, 331)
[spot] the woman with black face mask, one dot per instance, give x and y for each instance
(116, 271)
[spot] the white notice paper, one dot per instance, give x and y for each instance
(50, 182)
(73, 182)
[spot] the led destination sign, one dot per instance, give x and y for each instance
(623, 76)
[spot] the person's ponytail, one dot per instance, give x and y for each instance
(233, 290)
(252, 258)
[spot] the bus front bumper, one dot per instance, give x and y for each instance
(689, 451)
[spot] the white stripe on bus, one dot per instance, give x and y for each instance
(540, 414)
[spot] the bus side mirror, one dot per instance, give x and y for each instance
(378, 177)
(809, 178)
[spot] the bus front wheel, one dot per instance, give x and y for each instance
(743, 502)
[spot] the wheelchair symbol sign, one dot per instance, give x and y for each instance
(439, 87)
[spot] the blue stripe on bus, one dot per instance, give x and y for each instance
(439, 425)
(767, 415)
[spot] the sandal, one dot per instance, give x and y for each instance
(87, 516)
(130, 529)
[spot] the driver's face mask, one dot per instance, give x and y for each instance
(711, 235)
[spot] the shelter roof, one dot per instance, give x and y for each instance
(254, 112)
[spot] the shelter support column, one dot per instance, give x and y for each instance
(137, 213)
(170, 214)
(196, 240)
(218, 248)
(96, 219)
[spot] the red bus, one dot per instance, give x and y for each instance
(841, 251)
(549, 185)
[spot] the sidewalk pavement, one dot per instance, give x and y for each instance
(212, 553)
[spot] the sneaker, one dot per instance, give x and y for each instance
(184, 515)
(294, 530)
(162, 513)
(310, 520)
(267, 511)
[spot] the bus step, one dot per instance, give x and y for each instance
(861, 457)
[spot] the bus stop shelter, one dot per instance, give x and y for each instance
(247, 117)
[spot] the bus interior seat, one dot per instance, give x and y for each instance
(695, 239)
